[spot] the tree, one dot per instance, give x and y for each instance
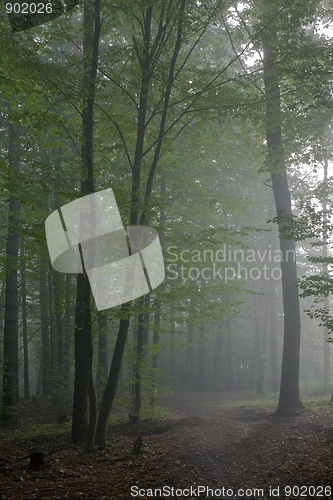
(10, 394)
(289, 399)
(83, 327)
(148, 54)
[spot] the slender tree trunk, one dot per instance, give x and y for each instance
(201, 371)
(2, 304)
(39, 385)
(289, 399)
(217, 355)
(24, 322)
(230, 382)
(68, 335)
(58, 288)
(102, 369)
(189, 354)
(137, 375)
(156, 334)
(172, 363)
(156, 341)
(142, 340)
(274, 346)
(45, 326)
(111, 385)
(52, 330)
(254, 363)
(262, 349)
(146, 320)
(10, 392)
(326, 301)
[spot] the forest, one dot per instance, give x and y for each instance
(166, 249)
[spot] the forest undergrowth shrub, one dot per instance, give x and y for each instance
(313, 386)
(123, 404)
(248, 399)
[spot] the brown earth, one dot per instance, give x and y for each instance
(214, 440)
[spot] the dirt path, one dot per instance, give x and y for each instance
(215, 440)
(249, 448)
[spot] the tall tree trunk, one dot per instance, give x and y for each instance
(81, 336)
(189, 354)
(262, 349)
(45, 325)
(111, 385)
(156, 341)
(52, 330)
(254, 362)
(230, 381)
(146, 320)
(58, 289)
(83, 331)
(68, 335)
(172, 364)
(274, 346)
(10, 392)
(326, 301)
(201, 369)
(142, 340)
(137, 369)
(289, 399)
(102, 369)
(39, 384)
(24, 322)
(217, 354)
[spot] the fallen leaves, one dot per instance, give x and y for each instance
(249, 447)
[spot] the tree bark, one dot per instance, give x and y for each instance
(58, 289)
(49, 274)
(44, 324)
(289, 399)
(230, 381)
(137, 369)
(111, 385)
(156, 341)
(254, 362)
(326, 300)
(274, 346)
(84, 384)
(10, 392)
(68, 329)
(262, 349)
(24, 322)
(217, 355)
(172, 364)
(189, 355)
(201, 369)
(102, 369)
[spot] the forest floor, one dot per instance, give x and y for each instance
(228, 442)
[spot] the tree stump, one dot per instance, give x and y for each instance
(138, 446)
